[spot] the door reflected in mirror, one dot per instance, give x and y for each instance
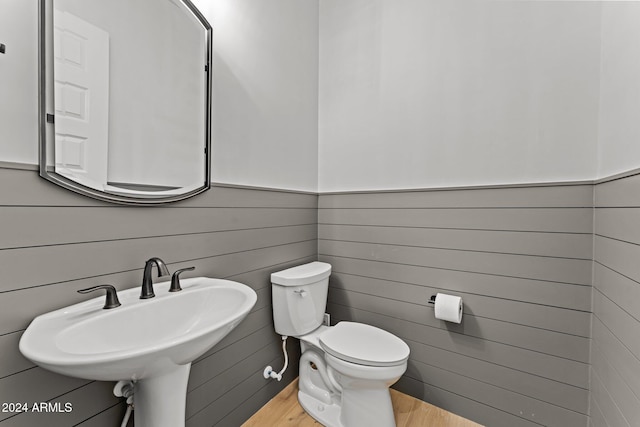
(126, 98)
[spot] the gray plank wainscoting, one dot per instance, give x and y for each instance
(55, 242)
(615, 347)
(539, 345)
(521, 258)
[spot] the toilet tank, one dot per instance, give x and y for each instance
(299, 297)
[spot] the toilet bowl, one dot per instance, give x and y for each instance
(345, 370)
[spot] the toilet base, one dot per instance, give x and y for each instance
(327, 415)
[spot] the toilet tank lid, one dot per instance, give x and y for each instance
(302, 274)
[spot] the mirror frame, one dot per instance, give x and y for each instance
(46, 136)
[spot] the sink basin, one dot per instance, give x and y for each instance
(149, 341)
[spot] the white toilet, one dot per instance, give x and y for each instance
(345, 370)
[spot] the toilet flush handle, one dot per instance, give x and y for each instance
(301, 292)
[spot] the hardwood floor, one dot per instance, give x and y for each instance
(285, 411)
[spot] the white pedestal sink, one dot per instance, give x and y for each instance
(151, 341)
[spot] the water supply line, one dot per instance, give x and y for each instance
(127, 414)
(125, 389)
(269, 372)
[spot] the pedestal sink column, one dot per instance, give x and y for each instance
(160, 401)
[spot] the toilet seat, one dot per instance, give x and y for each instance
(364, 345)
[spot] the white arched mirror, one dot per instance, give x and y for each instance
(125, 98)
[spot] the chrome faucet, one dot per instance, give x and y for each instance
(147, 283)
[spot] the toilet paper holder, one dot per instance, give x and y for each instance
(432, 300)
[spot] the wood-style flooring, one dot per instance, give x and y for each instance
(285, 411)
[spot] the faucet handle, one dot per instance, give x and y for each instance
(112, 295)
(175, 279)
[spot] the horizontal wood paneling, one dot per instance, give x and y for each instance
(100, 258)
(507, 310)
(561, 196)
(620, 193)
(460, 404)
(19, 307)
(621, 290)
(487, 373)
(536, 363)
(618, 321)
(203, 396)
(544, 341)
(85, 402)
(514, 403)
(562, 245)
(560, 220)
(238, 386)
(596, 419)
(512, 288)
(106, 417)
(543, 389)
(226, 354)
(261, 397)
(64, 225)
(521, 258)
(563, 270)
(618, 223)
(615, 351)
(617, 354)
(617, 255)
(55, 242)
(610, 411)
(617, 387)
(35, 385)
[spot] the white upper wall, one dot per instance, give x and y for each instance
(265, 95)
(619, 127)
(19, 81)
(412, 93)
(438, 93)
